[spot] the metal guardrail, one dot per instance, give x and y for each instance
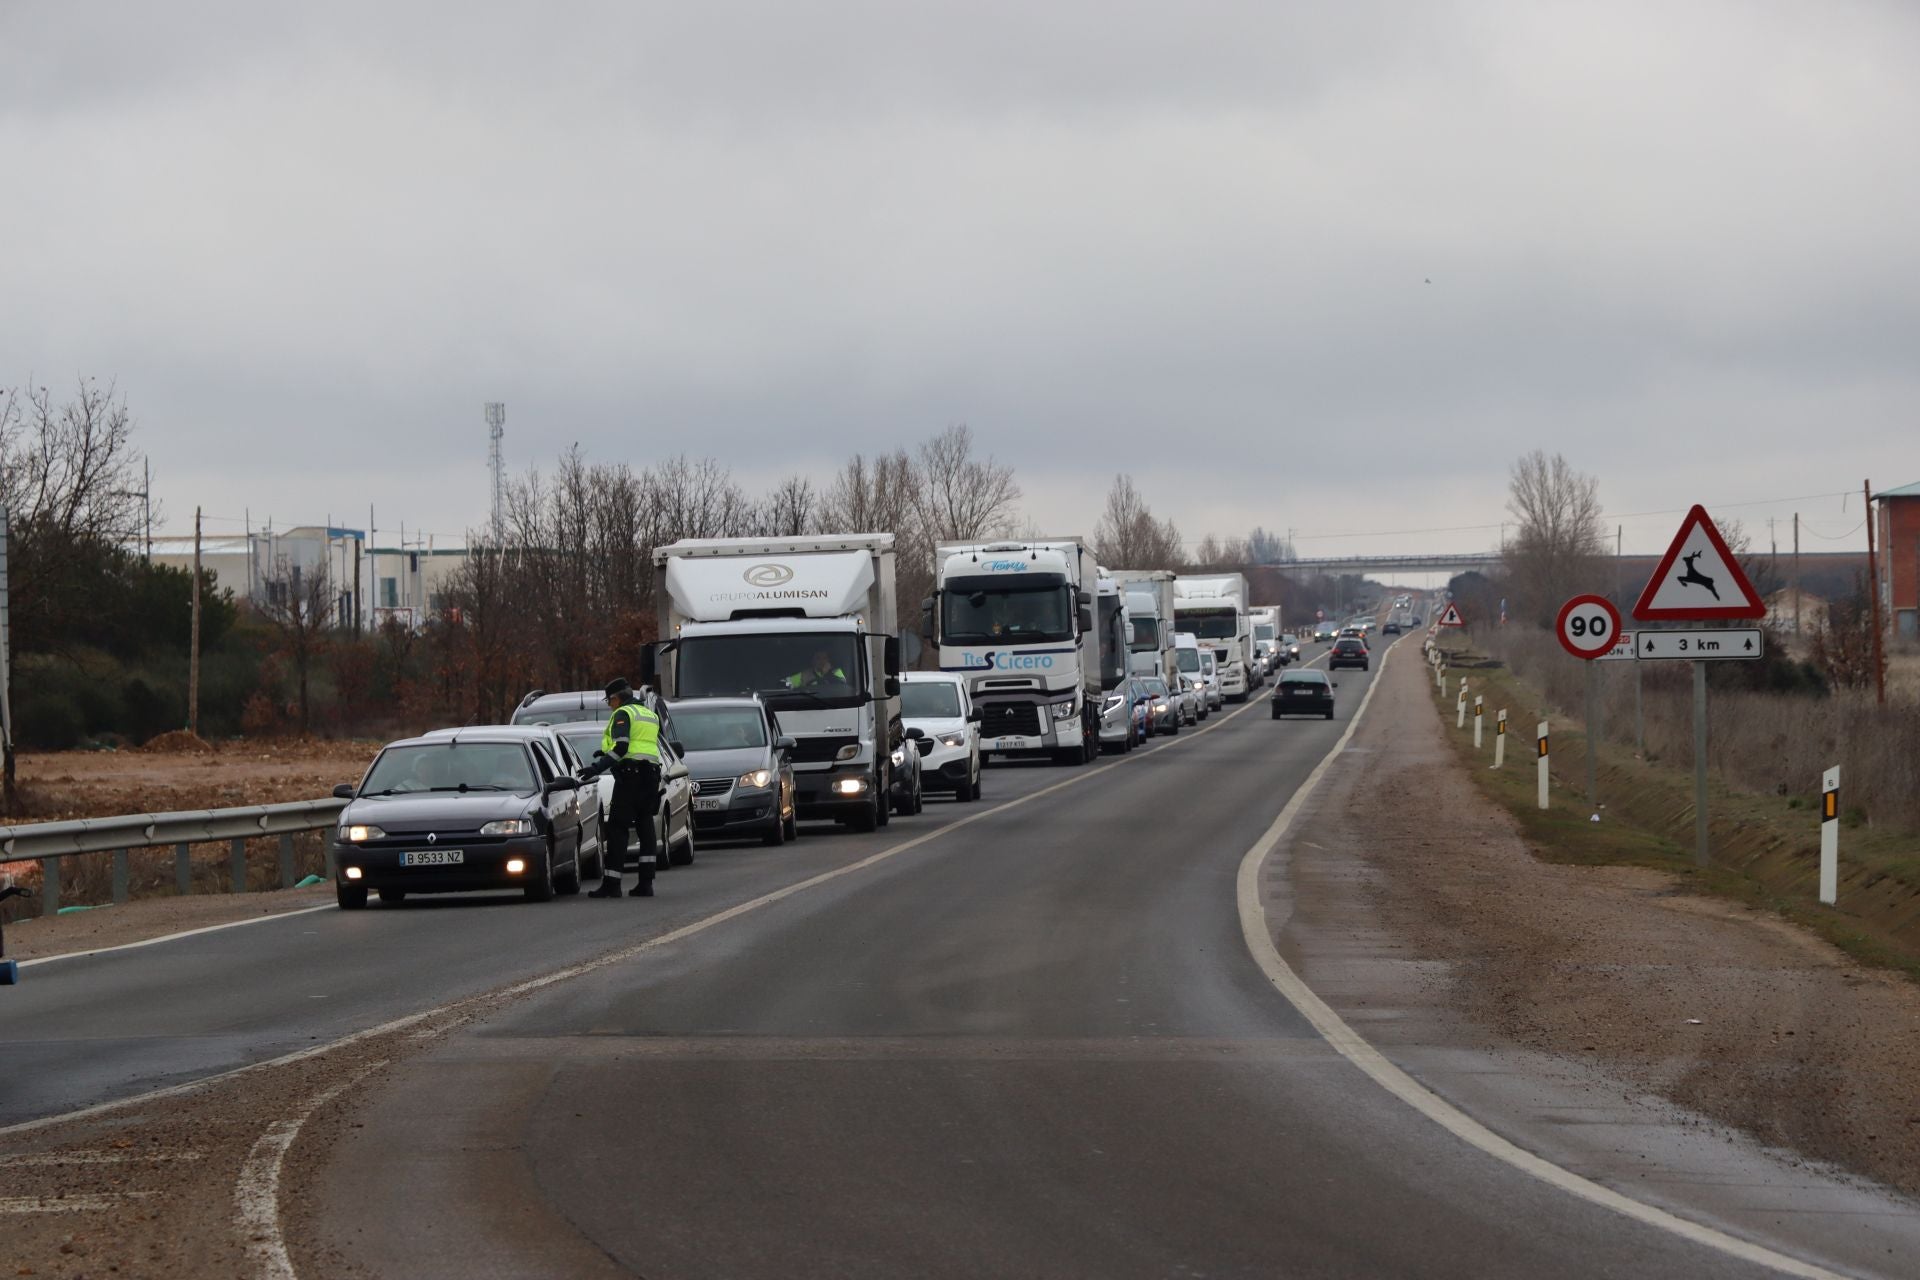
(48, 842)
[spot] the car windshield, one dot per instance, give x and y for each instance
(1208, 624)
(1007, 613)
(929, 700)
(824, 665)
(1189, 659)
(719, 728)
(1158, 688)
(452, 766)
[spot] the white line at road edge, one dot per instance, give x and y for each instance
(256, 1194)
(1349, 1044)
(612, 957)
(184, 933)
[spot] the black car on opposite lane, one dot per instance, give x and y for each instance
(1303, 692)
(742, 768)
(1347, 652)
(450, 814)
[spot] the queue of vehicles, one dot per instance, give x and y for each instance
(778, 682)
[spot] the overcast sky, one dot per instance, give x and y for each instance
(1326, 267)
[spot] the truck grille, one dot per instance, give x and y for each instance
(820, 750)
(1009, 719)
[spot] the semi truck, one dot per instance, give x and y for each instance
(1214, 608)
(1017, 619)
(807, 624)
(1150, 610)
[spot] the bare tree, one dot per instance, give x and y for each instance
(1556, 549)
(789, 511)
(1208, 554)
(963, 497)
(1128, 535)
(1268, 548)
(299, 606)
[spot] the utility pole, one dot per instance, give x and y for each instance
(6, 675)
(1873, 590)
(146, 502)
(1796, 574)
(193, 659)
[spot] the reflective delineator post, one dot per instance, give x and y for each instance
(1542, 731)
(1460, 706)
(1477, 701)
(1500, 738)
(1830, 835)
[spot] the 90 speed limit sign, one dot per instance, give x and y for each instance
(1588, 626)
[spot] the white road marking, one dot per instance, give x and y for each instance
(1350, 1045)
(175, 937)
(256, 1194)
(84, 1202)
(54, 1159)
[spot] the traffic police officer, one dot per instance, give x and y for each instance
(631, 749)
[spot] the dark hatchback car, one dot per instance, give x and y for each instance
(742, 768)
(452, 814)
(1303, 693)
(1347, 653)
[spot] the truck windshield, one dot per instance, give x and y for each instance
(1264, 630)
(1209, 624)
(825, 666)
(1009, 613)
(1146, 635)
(1189, 659)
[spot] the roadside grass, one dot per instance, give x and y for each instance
(1765, 849)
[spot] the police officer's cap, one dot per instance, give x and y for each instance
(620, 689)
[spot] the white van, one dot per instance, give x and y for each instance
(1193, 662)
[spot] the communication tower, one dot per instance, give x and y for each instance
(496, 430)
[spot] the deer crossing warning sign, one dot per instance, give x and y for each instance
(1699, 577)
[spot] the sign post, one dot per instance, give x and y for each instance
(1830, 836)
(1693, 593)
(1589, 628)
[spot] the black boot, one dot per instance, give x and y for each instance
(644, 889)
(609, 887)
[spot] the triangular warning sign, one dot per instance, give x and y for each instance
(1699, 577)
(1450, 617)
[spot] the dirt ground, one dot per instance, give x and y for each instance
(95, 784)
(150, 918)
(1722, 1009)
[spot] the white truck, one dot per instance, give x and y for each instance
(1017, 619)
(808, 625)
(1266, 635)
(1214, 608)
(1150, 610)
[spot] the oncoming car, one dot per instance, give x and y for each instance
(472, 810)
(937, 704)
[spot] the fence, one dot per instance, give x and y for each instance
(48, 842)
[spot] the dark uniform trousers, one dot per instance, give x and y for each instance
(636, 799)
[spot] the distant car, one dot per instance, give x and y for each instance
(1416, 619)
(938, 705)
(1304, 692)
(1348, 652)
(481, 809)
(742, 768)
(1210, 680)
(1391, 629)
(1323, 635)
(1161, 713)
(1352, 633)
(673, 822)
(1293, 651)
(1186, 703)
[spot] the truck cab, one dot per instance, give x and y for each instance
(1214, 609)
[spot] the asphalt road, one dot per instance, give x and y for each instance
(1037, 1046)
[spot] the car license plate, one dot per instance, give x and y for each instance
(432, 857)
(1301, 693)
(708, 803)
(1009, 744)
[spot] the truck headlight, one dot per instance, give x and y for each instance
(359, 834)
(1064, 711)
(508, 827)
(756, 780)
(954, 739)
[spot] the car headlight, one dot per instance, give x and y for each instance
(1064, 711)
(757, 779)
(899, 755)
(954, 739)
(509, 827)
(358, 834)
(847, 752)
(1113, 700)
(1160, 707)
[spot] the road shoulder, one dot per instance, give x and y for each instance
(1690, 1052)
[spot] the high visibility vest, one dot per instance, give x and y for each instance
(643, 732)
(801, 679)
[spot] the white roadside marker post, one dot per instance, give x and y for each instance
(1477, 700)
(1542, 767)
(1830, 836)
(1500, 738)
(1460, 706)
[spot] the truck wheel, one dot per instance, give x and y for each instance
(863, 819)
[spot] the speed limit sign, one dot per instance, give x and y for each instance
(1588, 626)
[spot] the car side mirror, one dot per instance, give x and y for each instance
(975, 717)
(345, 791)
(676, 770)
(785, 743)
(916, 733)
(565, 782)
(678, 748)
